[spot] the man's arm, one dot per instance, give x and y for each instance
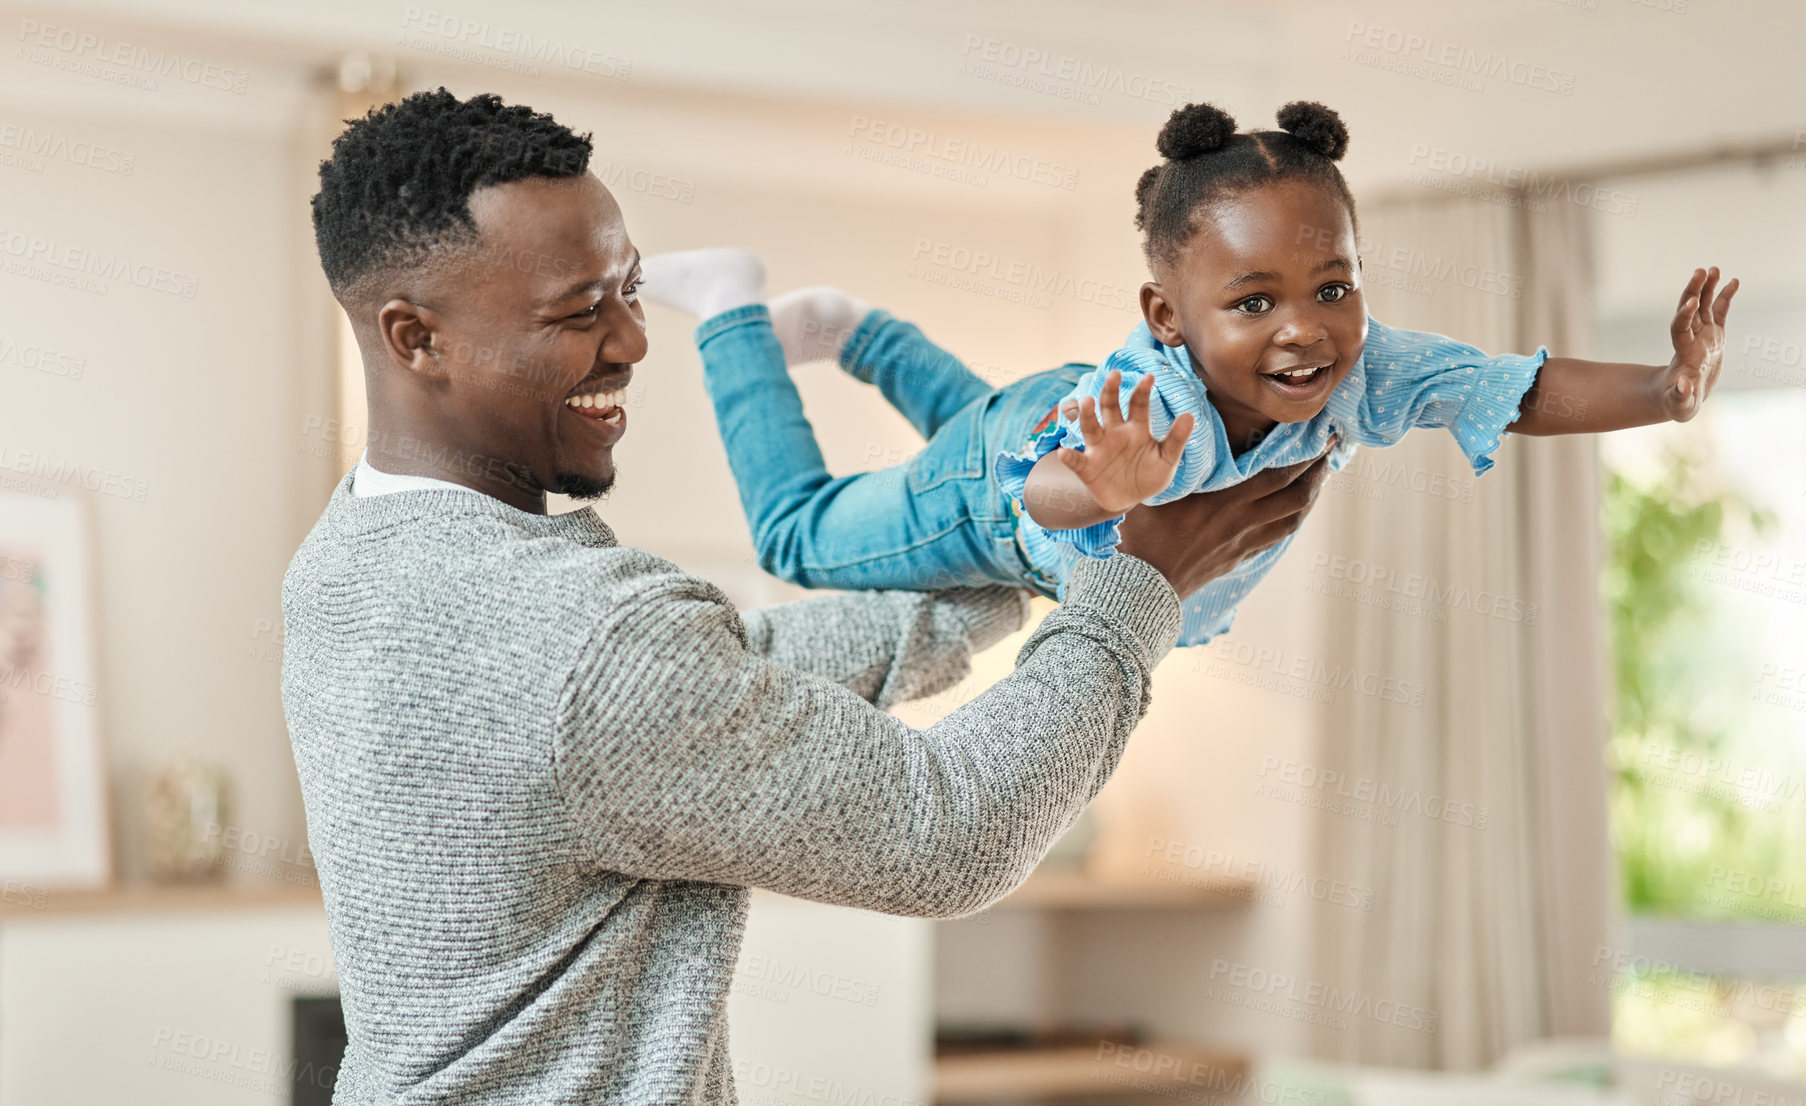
(887, 647)
(682, 754)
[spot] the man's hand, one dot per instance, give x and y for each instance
(1194, 540)
(1122, 462)
(1698, 334)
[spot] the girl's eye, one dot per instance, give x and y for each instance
(1255, 305)
(1340, 292)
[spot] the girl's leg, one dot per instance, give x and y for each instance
(921, 380)
(813, 324)
(908, 526)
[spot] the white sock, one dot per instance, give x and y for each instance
(704, 282)
(813, 324)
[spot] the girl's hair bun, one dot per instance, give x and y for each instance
(1144, 191)
(1194, 129)
(1316, 126)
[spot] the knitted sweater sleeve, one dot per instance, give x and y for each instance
(887, 647)
(681, 752)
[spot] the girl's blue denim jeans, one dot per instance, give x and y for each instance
(936, 520)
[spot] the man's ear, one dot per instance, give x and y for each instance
(1163, 321)
(409, 331)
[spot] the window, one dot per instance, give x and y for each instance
(1707, 589)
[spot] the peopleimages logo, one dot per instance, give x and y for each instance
(440, 28)
(136, 64)
(56, 471)
(1418, 586)
(1391, 48)
(1148, 1070)
(30, 249)
(36, 146)
(42, 358)
(1539, 186)
(983, 157)
(1677, 1086)
(1028, 279)
(1057, 74)
(234, 1064)
(1259, 873)
(1372, 476)
(1316, 671)
(757, 969)
(1373, 793)
(1774, 359)
(1308, 996)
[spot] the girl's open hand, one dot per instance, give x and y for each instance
(1122, 463)
(1698, 333)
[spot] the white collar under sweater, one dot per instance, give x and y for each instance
(369, 480)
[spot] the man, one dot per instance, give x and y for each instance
(541, 770)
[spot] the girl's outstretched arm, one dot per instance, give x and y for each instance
(1572, 396)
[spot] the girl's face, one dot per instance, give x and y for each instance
(1266, 296)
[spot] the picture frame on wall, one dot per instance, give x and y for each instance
(53, 814)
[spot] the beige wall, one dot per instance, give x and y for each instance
(190, 399)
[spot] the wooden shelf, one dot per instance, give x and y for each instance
(1054, 888)
(22, 903)
(1105, 1069)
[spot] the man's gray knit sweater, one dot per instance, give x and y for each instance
(541, 771)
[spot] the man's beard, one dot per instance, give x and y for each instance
(582, 487)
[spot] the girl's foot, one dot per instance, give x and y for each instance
(813, 324)
(704, 282)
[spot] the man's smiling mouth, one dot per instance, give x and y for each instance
(603, 400)
(608, 407)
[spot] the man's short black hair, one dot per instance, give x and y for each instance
(397, 186)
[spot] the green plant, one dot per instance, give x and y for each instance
(1669, 838)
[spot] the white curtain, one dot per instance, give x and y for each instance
(1488, 854)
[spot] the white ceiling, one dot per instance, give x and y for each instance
(1644, 78)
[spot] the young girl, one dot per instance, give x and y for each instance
(1255, 351)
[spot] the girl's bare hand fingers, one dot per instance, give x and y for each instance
(1109, 398)
(1139, 401)
(1088, 424)
(1723, 306)
(1682, 329)
(1704, 309)
(1173, 445)
(1693, 282)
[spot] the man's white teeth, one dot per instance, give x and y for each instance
(598, 399)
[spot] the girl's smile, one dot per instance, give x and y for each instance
(1302, 383)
